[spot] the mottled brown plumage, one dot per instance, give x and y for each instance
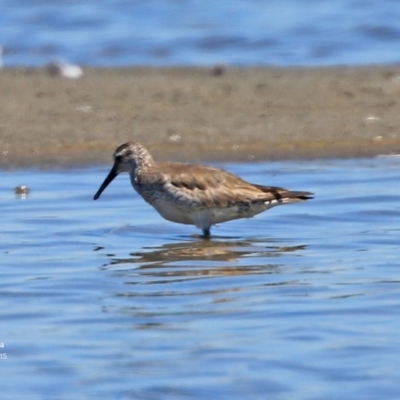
(195, 194)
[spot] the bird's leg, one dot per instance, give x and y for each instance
(206, 233)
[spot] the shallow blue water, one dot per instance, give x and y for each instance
(192, 32)
(107, 300)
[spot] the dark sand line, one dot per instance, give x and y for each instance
(189, 114)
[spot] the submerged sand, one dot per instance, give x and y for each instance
(189, 114)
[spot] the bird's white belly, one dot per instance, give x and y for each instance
(206, 217)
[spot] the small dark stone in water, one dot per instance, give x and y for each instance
(22, 189)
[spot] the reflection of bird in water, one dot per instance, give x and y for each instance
(213, 251)
(199, 258)
(195, 194)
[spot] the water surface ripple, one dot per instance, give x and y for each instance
(169, 32)
(107, 300)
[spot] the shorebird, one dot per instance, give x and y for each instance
(64, 69)
(195, 194)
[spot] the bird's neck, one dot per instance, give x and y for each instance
(140, 167)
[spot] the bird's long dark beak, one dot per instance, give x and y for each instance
(110, 177)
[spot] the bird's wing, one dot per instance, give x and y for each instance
(212, 187)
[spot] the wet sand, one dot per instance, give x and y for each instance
(189, 114)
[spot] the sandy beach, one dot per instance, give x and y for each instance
(188, 114)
